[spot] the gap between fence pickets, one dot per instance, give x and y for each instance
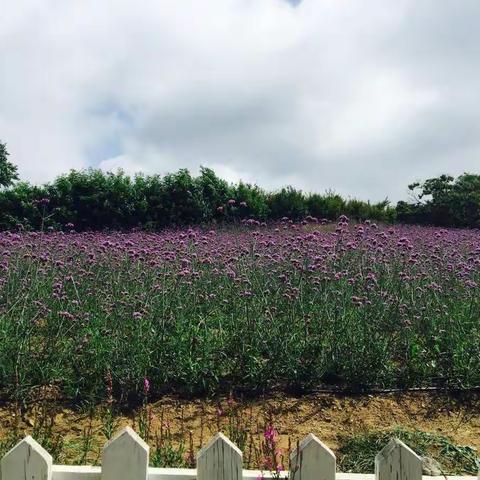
(69, 472)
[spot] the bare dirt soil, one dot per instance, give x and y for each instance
(329, 416)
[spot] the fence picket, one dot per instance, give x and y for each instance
(125, 457)
(396, 461)
(219, 460)
(27, 460)
(313, 461)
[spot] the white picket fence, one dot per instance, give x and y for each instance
(125, 457)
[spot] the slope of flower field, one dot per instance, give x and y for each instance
(289, 306)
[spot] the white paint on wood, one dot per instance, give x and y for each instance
(125, 457)
(219, 460)
(396, 461)
(76, 472)
(83, 472)
(27, 461)
(313, 461)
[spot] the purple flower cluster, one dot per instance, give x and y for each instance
(405, 299)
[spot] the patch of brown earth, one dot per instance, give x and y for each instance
(328, 416)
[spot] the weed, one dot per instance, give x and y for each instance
(357, 453)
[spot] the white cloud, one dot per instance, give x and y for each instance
(120, 162)
(363, 97)
(379, 110)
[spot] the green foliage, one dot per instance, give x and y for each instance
(288, 202)
(444, 201)
(214, 192)
(8, 171)
(357, 453)
(94, 200)
(255, 200)
(19, 208)
(329, 206)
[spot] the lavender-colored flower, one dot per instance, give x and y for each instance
(146, 386)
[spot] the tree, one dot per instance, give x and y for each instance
(444, 201)
(287, 202)
(8, 171)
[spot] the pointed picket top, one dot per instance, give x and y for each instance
(125, 457)
(312, 461)
(397, 461)
(221, 459)
(27, 460)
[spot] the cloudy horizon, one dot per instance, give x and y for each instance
(361, 98)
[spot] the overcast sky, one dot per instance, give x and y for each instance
(358, 96)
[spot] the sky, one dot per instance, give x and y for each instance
(361, 97)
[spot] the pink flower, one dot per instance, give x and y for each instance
(270, 434)
(146, 386)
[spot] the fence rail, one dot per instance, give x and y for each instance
(125, 457)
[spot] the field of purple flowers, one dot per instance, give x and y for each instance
(255, 308)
